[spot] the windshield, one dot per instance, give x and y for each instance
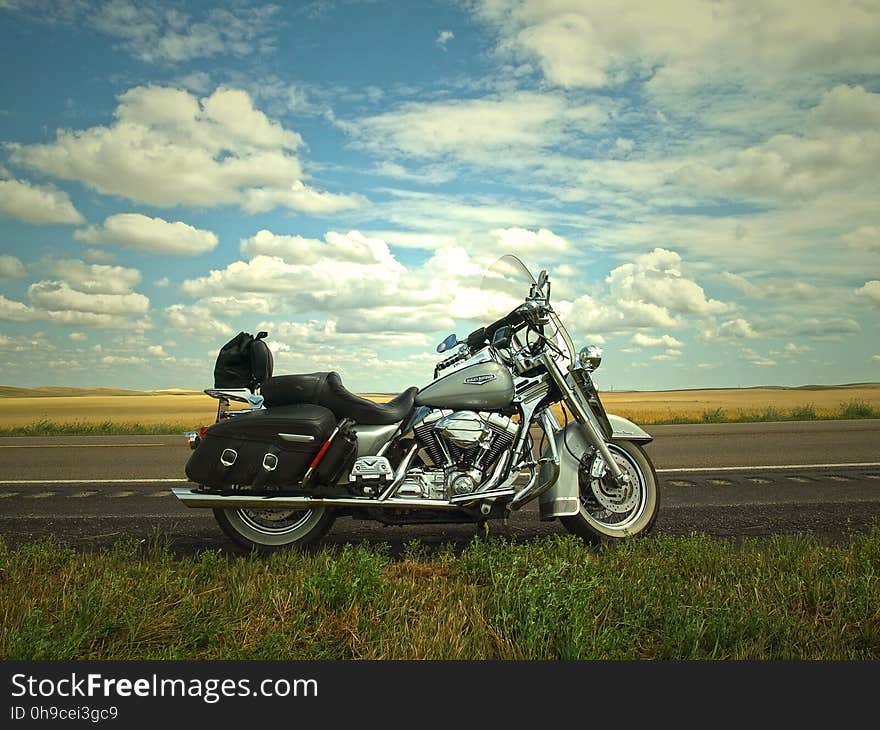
(508, 277)
(507, 283)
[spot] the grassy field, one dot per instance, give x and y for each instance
(43, 411)
(663, 597)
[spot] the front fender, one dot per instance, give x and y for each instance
(562, 499)
(623, 429)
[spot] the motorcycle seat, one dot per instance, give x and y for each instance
(326, 389)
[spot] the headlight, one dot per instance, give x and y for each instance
(590, 357)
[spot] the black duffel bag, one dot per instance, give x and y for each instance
(244, 362)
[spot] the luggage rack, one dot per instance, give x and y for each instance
(224, 396)
(240, 395)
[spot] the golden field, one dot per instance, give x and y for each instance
(190, 409)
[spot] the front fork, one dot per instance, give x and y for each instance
(587, 420)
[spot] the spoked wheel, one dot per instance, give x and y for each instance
(267, 530)
(607, 511)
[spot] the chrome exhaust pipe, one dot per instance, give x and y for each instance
(195, 498)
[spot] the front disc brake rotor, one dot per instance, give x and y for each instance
(606, 492)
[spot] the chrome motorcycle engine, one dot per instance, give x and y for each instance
(462, 448)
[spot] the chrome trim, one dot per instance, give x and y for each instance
(242, 395)
(623, 429)
(228, 457)
(299, 438)
(480, 496)
(531, 490)
(401, 473)
(584, 415)
(499, 469)
(194, 498)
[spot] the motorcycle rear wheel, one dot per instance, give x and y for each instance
(598, 523)
(266, 531)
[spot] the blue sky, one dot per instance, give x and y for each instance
(700, 178)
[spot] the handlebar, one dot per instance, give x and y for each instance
(527, 313)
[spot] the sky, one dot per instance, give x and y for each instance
(699, 178)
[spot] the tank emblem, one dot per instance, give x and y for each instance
(478, 379)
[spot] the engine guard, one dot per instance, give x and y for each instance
(562, 499)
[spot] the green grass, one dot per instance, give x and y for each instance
(666, 597)
(849, 410)
(86, 428)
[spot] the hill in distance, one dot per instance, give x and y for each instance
(50, 391)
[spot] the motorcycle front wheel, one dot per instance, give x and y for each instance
(607, 512)
(267, 530)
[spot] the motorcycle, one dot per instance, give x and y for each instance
(303, 450)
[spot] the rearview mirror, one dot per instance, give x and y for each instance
(448, 343)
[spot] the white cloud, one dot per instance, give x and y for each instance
(300, 197)
(11, 267)
(475, 130)
(524, 242)
(197, 320)
(594, 44)
(77, 336)
(95, 278)
(791, 349)
(352, 247)
(791, 167)
(98, 255)
(38, 204)
(733, 329)
(842, 151)
(781, 325)
(870, 292)
(847, 108)
(12, 311)
(644, 340)
(122, 360)
(91, 296)
(159, 352)
(773, 289)
(156, 33)
(658, 278)
(753, 358)
(153, 235)
(168, 148)
(670, 354)
(866, 238)
(589, 315)
(58, 296)
(345, 270)
(444, 37)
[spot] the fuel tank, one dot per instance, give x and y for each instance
(483, 386)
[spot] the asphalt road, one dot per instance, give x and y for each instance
(730, 480)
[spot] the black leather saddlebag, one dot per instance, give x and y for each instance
(260, 448)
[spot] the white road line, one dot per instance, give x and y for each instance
(775, 467)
